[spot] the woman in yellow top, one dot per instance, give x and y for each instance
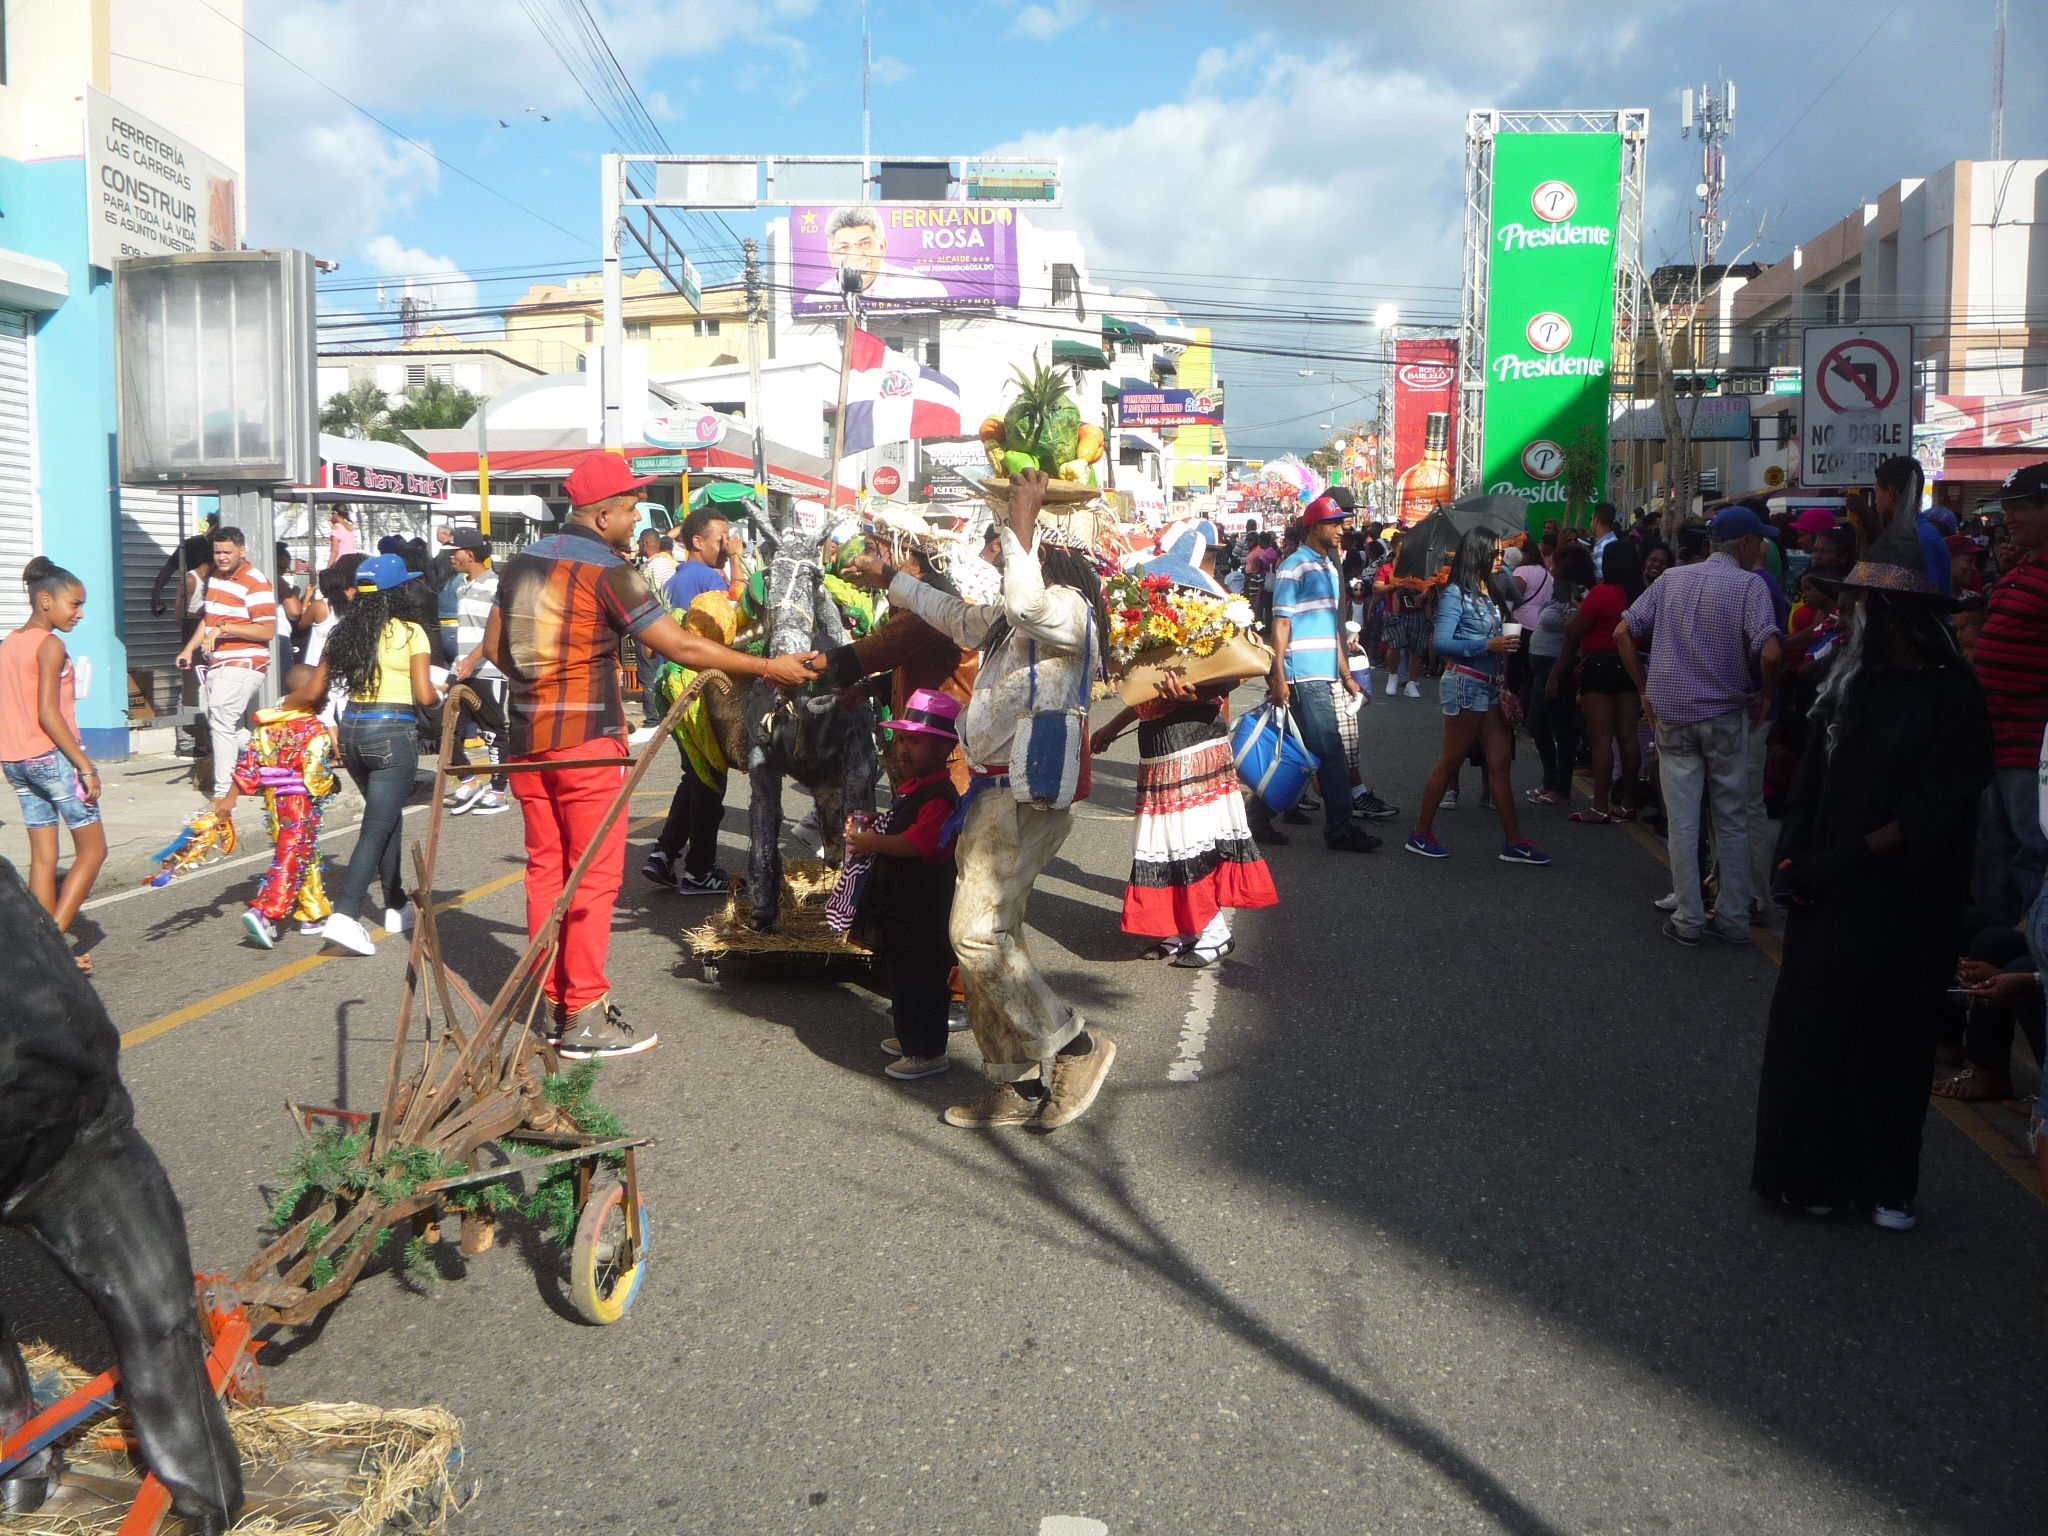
(382, 664)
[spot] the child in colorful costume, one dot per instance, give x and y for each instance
(290, 759)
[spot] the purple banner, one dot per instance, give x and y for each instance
(918, 256)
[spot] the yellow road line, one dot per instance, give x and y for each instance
(293, 968)
(1965, 1117)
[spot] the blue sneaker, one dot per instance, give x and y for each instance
(1427, 846)
(1524, 852)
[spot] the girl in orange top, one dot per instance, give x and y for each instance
(39, 746)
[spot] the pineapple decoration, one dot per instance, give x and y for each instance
(1042, 429)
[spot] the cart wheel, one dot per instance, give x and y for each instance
(710, 971)
(600, 1285)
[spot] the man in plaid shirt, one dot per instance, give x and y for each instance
(564, 604)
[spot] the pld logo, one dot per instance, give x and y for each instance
(1549, 332)
(1543, 460)
(1554, 201)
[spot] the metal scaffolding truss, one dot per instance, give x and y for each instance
(1482, 126)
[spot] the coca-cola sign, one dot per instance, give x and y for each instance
(1424, 375)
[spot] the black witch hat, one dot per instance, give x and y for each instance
(1895, 562)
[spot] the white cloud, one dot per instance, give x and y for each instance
(1278, 182)
(889, 70)
(329, 178)
(1045, 22)
(441, 286)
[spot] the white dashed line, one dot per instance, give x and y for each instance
(1194, 1034)
(1071, 1525)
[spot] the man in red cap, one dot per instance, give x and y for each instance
(564, 604)
(1309, 670)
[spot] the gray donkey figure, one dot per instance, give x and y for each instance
(810, 737)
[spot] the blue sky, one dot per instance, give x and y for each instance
(1236, 156)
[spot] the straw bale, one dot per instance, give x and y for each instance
(800, 927)
(311, 1469)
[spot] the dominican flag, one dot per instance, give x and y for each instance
(890, 399)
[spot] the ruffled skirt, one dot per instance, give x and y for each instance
(1195, 854)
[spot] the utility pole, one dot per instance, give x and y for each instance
(612, 373)
(753, 250)
(1998, 81)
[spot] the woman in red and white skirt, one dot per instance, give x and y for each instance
(1195, 857)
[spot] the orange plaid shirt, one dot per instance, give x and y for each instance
(567, 600)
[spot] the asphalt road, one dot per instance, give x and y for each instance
(1427, 1211)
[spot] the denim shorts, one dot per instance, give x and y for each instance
(1463, 695)
(49, 787)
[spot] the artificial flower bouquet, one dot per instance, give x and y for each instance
(1156, 626)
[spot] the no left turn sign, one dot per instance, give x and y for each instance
(1856, 407)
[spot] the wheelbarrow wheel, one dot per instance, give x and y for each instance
(601, 1282)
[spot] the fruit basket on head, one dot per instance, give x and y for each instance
(1042, 429)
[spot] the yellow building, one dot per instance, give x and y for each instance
(552, 325)
(1199, 453)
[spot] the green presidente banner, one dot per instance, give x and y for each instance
(1549, 310)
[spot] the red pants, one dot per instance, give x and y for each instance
(562, 811)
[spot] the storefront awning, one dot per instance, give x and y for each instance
(1987, 468)
(365, 470)
(1129, 331)
(1078, 354)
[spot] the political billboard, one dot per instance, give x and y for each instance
(907, 256)
(1425, 386)
(1170, 407)
(1549, 310)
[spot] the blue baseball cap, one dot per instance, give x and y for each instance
(380, 573)
(1737, 523)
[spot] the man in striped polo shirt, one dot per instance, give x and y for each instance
(236, 626)
(2012, 667)
(1309, 669)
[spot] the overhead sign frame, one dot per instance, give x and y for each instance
(1855, 401)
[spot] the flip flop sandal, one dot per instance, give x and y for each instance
(1196, 960)
(1592, 818)
(1164, 950)
(1963, 1089)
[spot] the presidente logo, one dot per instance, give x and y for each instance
(1543, 460)
(1510, 366)
(1554, 491)
(1548, 332)
(1553, 202)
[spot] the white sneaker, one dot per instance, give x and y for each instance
(398, 920)
(467, 793)
(1668, 902)
(1393, 686)
(348, 934)
(1412, 691)
(489, 803)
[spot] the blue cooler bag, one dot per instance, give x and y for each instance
(1271, 757)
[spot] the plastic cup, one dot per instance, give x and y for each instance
(1511, 631)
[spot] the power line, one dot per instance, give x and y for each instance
(1815, 99)
(395, 133)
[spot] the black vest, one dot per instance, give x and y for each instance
(905, 904)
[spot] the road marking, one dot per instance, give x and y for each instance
(1194, 1033)
(294, 968)
(1071, 1525)
(1965, 1117)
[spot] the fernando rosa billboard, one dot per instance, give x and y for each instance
(908, 256)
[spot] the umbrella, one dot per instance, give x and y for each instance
(1427, 547)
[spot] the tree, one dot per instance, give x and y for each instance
(435, 406)
(358, 411)
(1585, 458)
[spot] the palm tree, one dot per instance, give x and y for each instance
(359, 411)
(434, 405)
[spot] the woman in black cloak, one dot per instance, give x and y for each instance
(1874, 862)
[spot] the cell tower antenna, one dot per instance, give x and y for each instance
(1709, 116)
(1998, 81)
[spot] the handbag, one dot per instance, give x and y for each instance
(1271, 756)
(1049, 765)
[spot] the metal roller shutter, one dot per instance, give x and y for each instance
(149, 536)
(19, 536)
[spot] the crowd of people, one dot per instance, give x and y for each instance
(1835, 721)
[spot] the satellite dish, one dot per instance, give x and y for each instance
(1700, 190)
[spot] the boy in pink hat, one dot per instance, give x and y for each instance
(907, 900)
